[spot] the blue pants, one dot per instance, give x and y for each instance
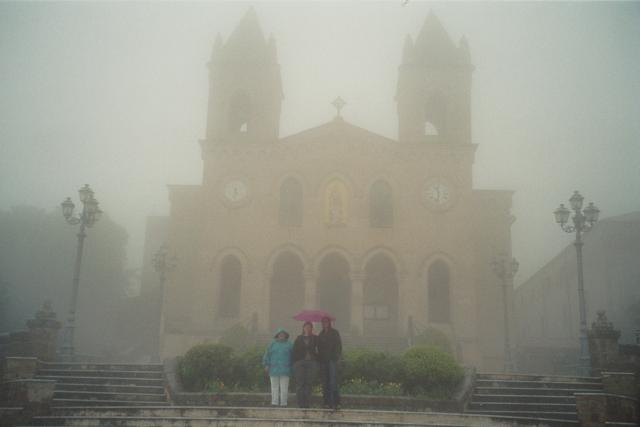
(330, 393)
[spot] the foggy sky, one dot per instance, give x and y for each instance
(115, 95)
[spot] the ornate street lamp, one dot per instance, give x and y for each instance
(583, 220)
(90, 215)
(506, 271)
(163, 264)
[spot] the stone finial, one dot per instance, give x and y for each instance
(602, 326)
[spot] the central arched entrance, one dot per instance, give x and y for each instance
(380, 297)
(287, 292)
(334, 289)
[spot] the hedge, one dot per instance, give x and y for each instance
(422, 370)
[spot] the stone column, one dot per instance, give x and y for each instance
(310, 291)
(357, 301)
(43, 333)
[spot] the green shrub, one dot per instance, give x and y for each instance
(431, 372)
(249, 373)
(374, 388)
(432, 337)
(369, 365)
(206, 364)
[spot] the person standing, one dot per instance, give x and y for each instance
(304, 357)
(277, 363)
(329, 353)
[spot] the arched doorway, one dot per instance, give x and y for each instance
(334, 289)
(438, 293)
(287, 292)
(380, 297)
(230, 287)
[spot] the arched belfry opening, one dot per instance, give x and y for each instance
(230, 287)
(380, 297)
(439, 293)
(290, 213)
(239, 112)
(334, 289)
(286, 291)
(435, 115)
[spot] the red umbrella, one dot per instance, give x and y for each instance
(312, 315)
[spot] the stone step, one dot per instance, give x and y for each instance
(148, 382)
(156, 367)
(224, 422)
(529, 391)
(538, 378)
(159, 413)
(515, 398)
(521, 406)
(212, 416)
(539, 384)
(92, 395)
(112, 388)
(558, 416)
(102, 402)
(79, 373)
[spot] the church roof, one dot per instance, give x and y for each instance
(337, 128)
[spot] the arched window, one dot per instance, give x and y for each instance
(381, 205)
(438, 293)
(239, 112)
(230, 285)
(435, 115)
(290, 203)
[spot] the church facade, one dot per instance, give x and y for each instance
(387, 235)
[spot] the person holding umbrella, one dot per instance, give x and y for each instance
(329, 352)
(304, 357)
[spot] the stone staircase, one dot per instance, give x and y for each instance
(93, 384)
(532, 396)
(267, 417)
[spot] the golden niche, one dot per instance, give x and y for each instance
(336, 203)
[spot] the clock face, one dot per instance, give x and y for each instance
(235, 191)
(438, 194)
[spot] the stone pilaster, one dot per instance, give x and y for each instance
(357, 300)
(310, 291)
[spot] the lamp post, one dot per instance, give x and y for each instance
(90, 215)
(583, 220)
(506, 272)
(162, 264)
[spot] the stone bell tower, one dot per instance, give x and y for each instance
(245, 90)
(434, 87)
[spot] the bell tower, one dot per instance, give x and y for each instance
(245, 90)
(434, 87)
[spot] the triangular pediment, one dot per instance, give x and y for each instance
(337, 130)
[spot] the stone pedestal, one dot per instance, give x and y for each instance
(43, 333)
(603, 344)
(16, 368)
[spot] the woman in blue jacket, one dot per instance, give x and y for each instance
(277, 363)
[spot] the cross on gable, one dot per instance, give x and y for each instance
(338, 103)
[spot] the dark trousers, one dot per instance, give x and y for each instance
(304, 371)
(330, 392)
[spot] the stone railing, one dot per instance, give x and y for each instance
(598, 409)
(20, 355)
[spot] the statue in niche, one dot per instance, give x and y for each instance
(336, 212)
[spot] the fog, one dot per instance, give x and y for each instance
(115, 95)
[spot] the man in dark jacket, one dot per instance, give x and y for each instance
(329, 352)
